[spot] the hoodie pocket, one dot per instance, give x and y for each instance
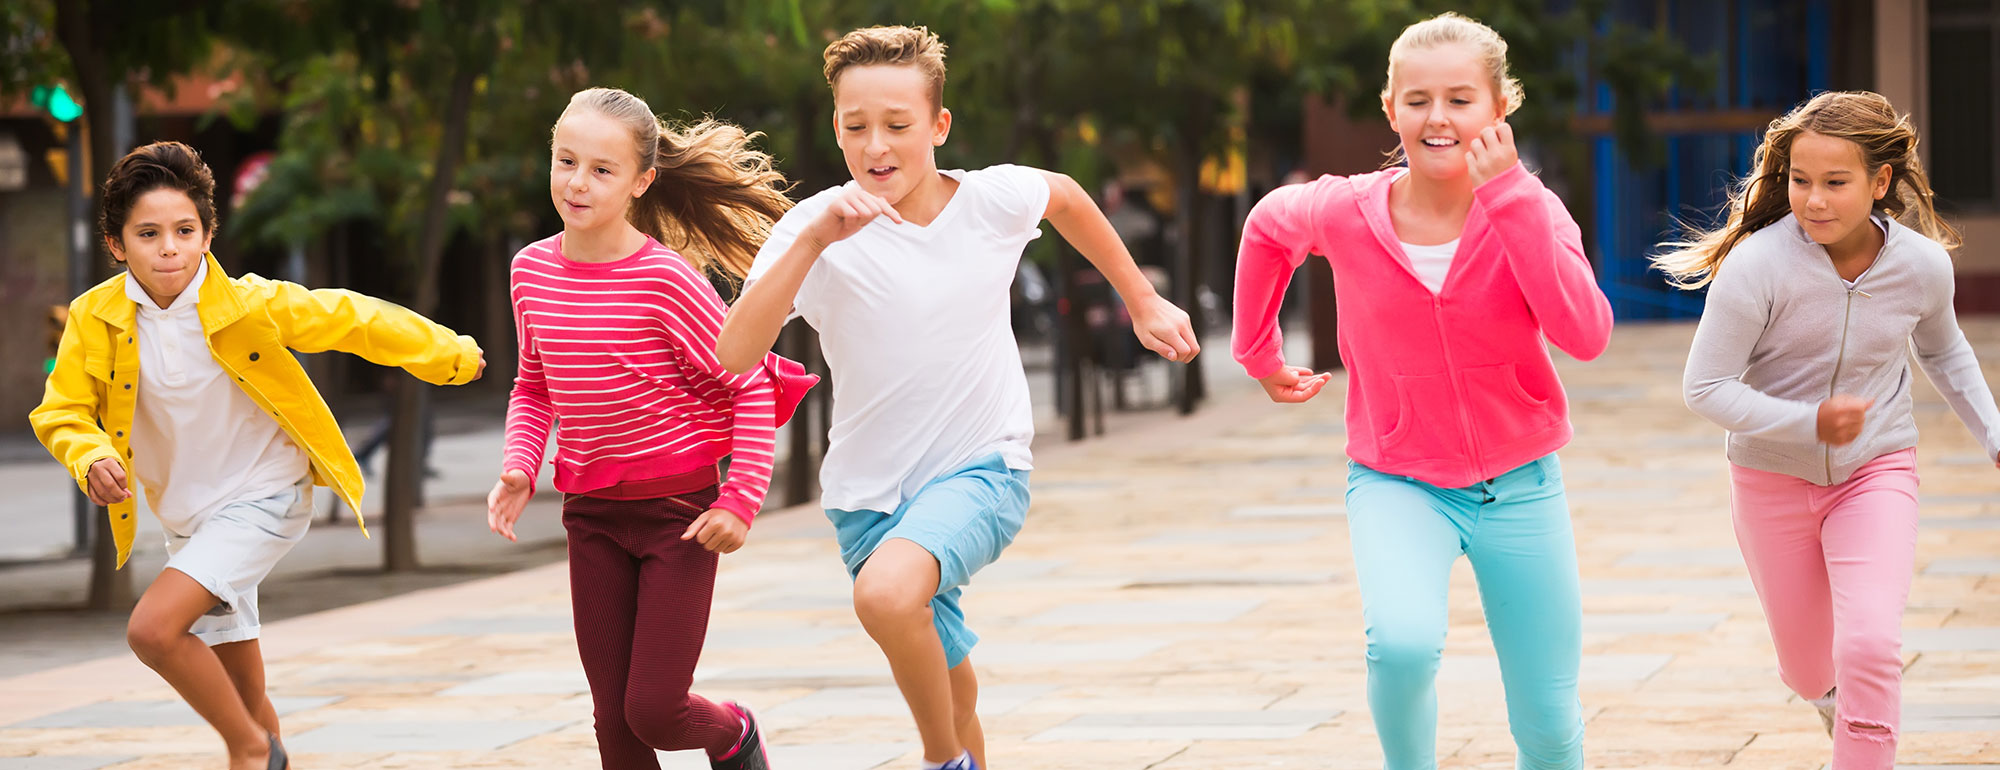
(1418, 401)
(1505, 410)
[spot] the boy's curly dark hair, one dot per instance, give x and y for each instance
(170, 165)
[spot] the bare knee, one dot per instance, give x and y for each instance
(159, 625)
(881, 602)
(152, 641)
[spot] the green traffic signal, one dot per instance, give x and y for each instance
(56, 100)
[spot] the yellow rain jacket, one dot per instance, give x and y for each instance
(251, 322)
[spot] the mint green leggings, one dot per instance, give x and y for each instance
(1516, 530)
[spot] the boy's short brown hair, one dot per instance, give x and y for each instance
(161, 164)
(904, 46)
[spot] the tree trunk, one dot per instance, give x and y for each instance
(1187, 254)
(1324, 315)
(1072, 339)
(319, 366)
(497, 308)
(1075, 349)
(1026, 78)
(77, 27)
(805, 439)
(807, 165)
(406, 442)
(799, 343)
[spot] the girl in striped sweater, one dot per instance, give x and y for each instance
(617, 347)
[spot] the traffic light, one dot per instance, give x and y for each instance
(56, 100)
(58, 318)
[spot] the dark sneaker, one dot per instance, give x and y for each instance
(963, 762)
(278, 760)
(749, 754)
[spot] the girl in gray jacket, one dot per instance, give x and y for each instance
(1803, 355)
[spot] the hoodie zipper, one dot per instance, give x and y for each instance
(1840, 358)
(1457, 398)
(1847, 320)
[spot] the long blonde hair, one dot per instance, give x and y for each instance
(715, 197)
(1762, 198)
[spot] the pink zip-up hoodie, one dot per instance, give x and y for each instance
(1450, 388)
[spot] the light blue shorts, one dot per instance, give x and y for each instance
(965, 518)
(233, 550)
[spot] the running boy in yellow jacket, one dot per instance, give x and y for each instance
(182, 377)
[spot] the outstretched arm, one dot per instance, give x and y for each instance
(1160, 326)
(316, 320)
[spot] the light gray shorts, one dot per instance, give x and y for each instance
(232, 551)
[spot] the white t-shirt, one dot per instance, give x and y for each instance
(198, 442)
(1432, 263)
(914, 323)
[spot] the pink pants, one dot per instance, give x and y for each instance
(1832, 568)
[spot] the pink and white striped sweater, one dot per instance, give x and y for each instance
(619, 357)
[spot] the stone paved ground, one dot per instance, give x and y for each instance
(1182, 599)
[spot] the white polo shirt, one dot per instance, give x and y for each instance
(198, 442)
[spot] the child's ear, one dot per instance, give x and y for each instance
(943, 130)
(117, 249)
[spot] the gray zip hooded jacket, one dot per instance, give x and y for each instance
(1782, 332)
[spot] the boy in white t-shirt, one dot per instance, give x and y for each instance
(905, 273)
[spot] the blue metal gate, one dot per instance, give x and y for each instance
(1769, 55)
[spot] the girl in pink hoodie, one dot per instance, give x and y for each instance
(1449, 273)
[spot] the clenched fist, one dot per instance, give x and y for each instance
(1840, 418)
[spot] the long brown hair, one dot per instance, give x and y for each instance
(1762, 198)
(715, 197)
